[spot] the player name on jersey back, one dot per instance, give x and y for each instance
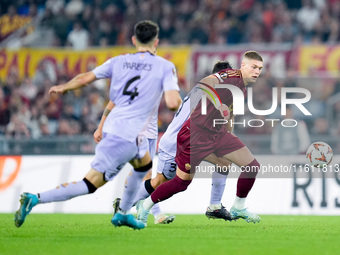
(137, 66)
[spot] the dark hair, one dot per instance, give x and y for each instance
(146, 31)
(220, 65)
(253, 55)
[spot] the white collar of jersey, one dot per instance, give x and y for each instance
(145, 52)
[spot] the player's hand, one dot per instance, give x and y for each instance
(97, 135)
(57, 89)
(224, 110)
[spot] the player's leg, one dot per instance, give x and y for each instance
(133, 181)
(145, 190)
(63, 192)
(160, 217)
(142, 163)
(250, 167)
(164, 191)
(215, 209)
(184, 173)
(105, 161)
(166, 170)
(123, 217)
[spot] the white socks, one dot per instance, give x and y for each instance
(64, 192)
(131, 189)
(148, 203)
(217, 188)
(239, 202)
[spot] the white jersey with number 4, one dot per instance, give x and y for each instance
(137, 83)
(168, 142)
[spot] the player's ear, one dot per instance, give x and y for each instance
(133, 39)
(156, 43)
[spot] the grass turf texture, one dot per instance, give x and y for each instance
(188, 234)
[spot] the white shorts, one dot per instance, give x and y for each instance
(112, 153)
(146, 144)
(166, 165)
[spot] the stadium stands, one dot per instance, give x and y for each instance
(28, 114)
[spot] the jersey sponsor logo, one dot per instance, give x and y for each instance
(137, 66)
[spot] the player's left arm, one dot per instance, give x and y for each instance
(98, 134)
(77, 82)
(170, 86)
(172, 99)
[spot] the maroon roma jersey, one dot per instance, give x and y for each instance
(226, 76)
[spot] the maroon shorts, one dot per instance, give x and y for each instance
(195, 143)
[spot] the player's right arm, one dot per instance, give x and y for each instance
(98, 134)
(172, 99)
(77, 82)
(210, 80)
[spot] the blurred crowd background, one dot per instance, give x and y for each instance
(27, 112)
(110, 22)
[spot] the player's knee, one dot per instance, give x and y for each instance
(90, 186)
(148, 186)
(182, 185)
(144, 168)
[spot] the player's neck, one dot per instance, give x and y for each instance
(143, 48)
(245, 80)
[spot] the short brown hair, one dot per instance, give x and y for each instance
(220, 65)
(146, 31)
(253, 55)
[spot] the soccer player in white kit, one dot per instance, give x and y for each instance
(149, 137)
(137, 83)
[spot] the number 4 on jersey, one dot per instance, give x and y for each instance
(133, 93)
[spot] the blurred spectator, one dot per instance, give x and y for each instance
(320, 126)
(74, 7)
(28, 90)
(308, 16)
(53, 109)
(5, 113)
(78, 38)
(38, 124)
(16, 128)
(55, 6)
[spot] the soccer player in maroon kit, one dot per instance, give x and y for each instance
(199, 137)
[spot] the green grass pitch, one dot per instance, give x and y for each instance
(188, 234)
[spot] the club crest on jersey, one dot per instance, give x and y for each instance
(223, 75)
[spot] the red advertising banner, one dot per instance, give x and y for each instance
(27, 61)
(317, 60)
